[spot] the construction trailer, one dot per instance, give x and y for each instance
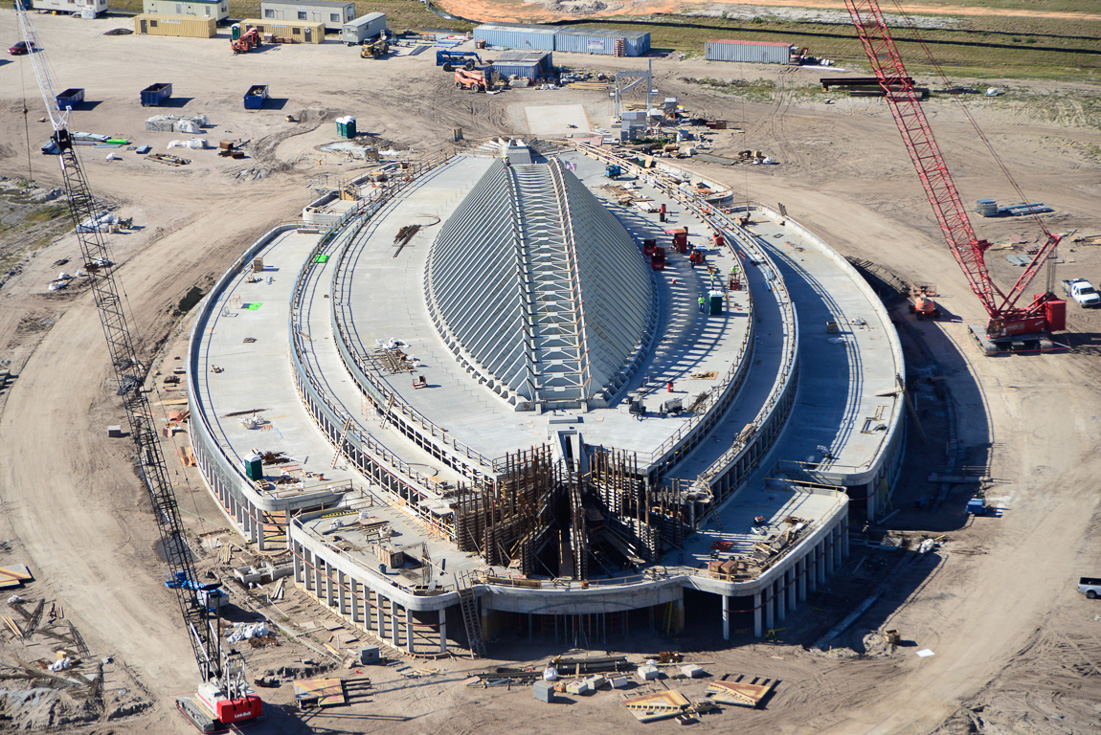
(755, 52)
(543, 59)
(516, 36)
(216, 9)
(359, 30)
(83, 8)
(332, 13)
(605, 41)
(175, 25)
(295, 31)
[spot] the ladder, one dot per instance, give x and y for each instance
(340, 441)
(468, 604)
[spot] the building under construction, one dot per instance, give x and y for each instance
(505, 390)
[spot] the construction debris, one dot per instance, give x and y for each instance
(310, 693)
(741, 693)
(658, 706)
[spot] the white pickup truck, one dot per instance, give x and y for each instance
(1090, 587)
(1082, 291)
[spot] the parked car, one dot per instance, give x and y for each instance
(20, 48)
(1083, 292)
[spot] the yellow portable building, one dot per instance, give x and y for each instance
(175, 25)
(300, 31)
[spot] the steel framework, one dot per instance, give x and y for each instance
(898, 87)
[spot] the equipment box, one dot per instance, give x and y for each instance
(255, 96)
(156, 95)
(70, 98)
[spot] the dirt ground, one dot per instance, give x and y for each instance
(1016, 648)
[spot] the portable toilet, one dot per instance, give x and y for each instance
(715, 299)
(350, 127)
(235, 31)
(254, 467)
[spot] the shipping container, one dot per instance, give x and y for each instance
(529, 70)
(360, 29)
(216, 9)
(516, 36)
(156, 95)
(255, 96)
(70, 98)
(175, 25)
(545, 59)
(83, 8)
(606, 41)
(332, 14)
(756, 52)
(304, 32)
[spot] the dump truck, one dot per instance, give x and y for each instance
(1083, 292)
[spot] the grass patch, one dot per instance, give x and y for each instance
(982, 47)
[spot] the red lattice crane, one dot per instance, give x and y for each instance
(1045, 313)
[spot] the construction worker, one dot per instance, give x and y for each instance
(703, 304)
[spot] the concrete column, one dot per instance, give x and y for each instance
(287, 518)
(782, 597)
(258, 524)
(393, 623)
(812, 569)
(757, 631)
(353, 600)
(770, 607)
(801, 578)
(839, 545)
(380, 614)
(442, 617)
(296, 565)
(317, 581)
(409, 631)
(366, 607)
(789, 580)
(726, 617)
(341, 595)
(821, 563)
(330, 593)
(845, 536)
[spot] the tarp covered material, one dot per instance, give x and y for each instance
(102, 223)
(242, 632)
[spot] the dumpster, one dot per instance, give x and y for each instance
(156, 95)
(70, 98)
(255, 96)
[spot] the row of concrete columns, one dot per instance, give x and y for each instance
(774, 601)
(364, 607)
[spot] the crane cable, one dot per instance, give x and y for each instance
(910, 25)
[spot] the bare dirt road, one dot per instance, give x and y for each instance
(491, 11)
(1016, 649)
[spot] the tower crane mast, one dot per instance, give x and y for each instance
(224, 690)
(1005, 318)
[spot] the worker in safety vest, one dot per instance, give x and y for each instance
(703, 304)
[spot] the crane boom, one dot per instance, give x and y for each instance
(224, 684)
(969, 251)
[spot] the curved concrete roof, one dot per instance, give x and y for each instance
(540, 290)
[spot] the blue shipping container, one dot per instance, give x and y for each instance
(755, 52)
(255, 96)
(601, 41)
(70, 98)
(545, 59)
(516, 36)
(156, 95)
(527, 69)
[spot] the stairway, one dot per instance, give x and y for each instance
(468, 604)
